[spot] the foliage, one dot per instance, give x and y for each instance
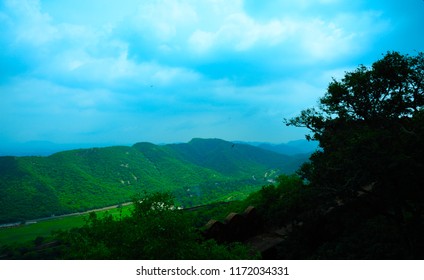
(282, 203)
(370, 130)
(370, 126)
(28, 232)
(155, 230)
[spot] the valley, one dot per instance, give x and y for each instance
(198, 172)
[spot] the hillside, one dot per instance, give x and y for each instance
(291, 148)
(232, 159)
(196, 172)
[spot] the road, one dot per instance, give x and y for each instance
(63, 216)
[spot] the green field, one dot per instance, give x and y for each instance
(45, 228)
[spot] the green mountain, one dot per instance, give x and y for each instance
(197, 172)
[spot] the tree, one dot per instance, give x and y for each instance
(370, 128)
(154, 230)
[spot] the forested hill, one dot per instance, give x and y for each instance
(233, 159)
(200, 171)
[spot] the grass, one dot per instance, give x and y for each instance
(45, 228)
(29, 232)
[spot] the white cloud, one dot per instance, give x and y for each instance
(30, 25)
(165, 19)
(182, 67)
(311, 37)
(326, 40)
(79, 55)
(313, 2)
(186, 32)
(238, 32)
(201, 41)
(78, 68)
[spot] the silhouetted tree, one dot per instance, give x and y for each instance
(370, 128)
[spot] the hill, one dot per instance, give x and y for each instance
(232, 159)
(291, 148)
(42, 148)
(200, 171)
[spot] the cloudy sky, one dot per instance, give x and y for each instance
(123, 71)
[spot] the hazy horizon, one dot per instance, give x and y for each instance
(46, 148)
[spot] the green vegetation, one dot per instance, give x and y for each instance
(45, 228)
(153, 230)
(25, 233)
(198, 172)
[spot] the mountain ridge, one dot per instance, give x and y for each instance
(47, 148)
(76, 180)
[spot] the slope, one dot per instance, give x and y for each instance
(196, 172)
(233, 159)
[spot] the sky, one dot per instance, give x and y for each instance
(163, 71)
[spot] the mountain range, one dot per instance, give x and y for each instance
(200, 171)
(290, 148)
(46, 148)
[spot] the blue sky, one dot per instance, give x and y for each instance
(106, 71)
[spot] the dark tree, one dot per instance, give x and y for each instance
(370, 126)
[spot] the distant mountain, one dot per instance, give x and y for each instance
(41, 148)
(200, 171)
(290, 148)
(230, 158)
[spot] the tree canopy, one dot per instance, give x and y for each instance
(154, 230)
(370, 127)
(392, 88)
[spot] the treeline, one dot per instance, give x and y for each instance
(155, 229)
